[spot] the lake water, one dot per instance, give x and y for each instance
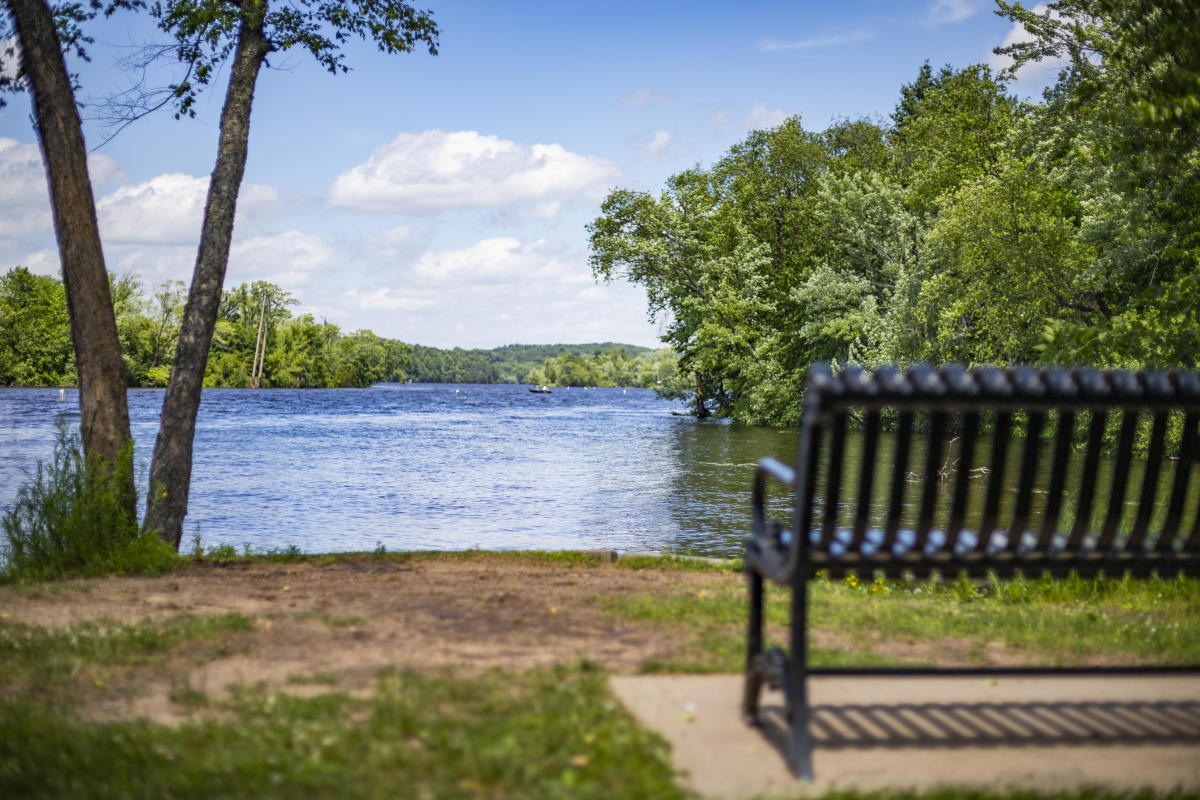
(438, 466)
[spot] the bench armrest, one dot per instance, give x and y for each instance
(766, 551)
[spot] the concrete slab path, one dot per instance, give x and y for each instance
(1050, 733)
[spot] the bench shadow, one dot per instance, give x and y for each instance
(960, 725)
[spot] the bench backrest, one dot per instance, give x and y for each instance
(990, 470)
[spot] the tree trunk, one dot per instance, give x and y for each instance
(701, 411)
(171, 467)
(102, 401)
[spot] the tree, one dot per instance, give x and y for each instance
(1124, 122)
(35, 331)
(719, 252)
(206, 33)
(103, 407)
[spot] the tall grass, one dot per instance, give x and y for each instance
(71, 519)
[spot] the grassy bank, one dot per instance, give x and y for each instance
(144, 687)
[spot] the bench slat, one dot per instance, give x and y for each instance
(1189, 453)
(962, 481)
(1058, 478)
(1141, 524)
(1025, 482)
(866, 479)
(899, 472)
(995, 483)
(933, 460)
(1120, 480)
(1087, 484)
(833, 480)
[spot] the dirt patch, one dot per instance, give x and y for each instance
(321, 627)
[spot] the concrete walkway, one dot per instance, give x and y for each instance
(918, 733)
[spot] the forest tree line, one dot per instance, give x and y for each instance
(300, 352)
(968, 227)
(593, 364)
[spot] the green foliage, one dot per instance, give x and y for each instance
(971, 228)
(595, 364)
(36, 350)
(35, 331)
(71, 519)
(613, 366)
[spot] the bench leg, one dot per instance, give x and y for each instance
(800, 744)
(754, 646)
(796, 683)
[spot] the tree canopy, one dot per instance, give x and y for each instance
(970, 226)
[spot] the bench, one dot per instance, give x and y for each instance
(988, 472)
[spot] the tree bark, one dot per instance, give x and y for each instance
(102, 400)
(701, 411)
(171, 466)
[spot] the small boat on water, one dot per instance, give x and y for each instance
(540, 389)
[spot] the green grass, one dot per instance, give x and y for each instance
(227, 554)
(50, 664)
(1056, 621)
(1053, 621)
(553, 733)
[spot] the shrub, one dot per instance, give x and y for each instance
(70, 520)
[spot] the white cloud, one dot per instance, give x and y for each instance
(383, 299)
(152, 262)
(434, 171)
(1037, 72)
(24, 202)
(169, 209)
(288, 259)
(42, 262)
(593, 293)
(502, 259)
(775, 45)
(24, 197)
(949, 11)
(644, 98)
(719, 121)
(762, 117)
(655, 146)
(10, 57)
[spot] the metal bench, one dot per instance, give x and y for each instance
(987, 446)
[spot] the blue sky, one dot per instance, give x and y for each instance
(442, 200)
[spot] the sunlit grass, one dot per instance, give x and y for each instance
(1049, 621)
(540, 734)
(53, 664)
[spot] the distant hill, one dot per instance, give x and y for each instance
(512, 363)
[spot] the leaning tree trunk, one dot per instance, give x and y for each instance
(171, 466)
(102, 401)
(701, 411)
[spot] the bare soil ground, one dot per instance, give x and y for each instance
(319, 627)
(323, 626)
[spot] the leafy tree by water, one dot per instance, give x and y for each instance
(1124, 119)
(35, 331)
(970, 227)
